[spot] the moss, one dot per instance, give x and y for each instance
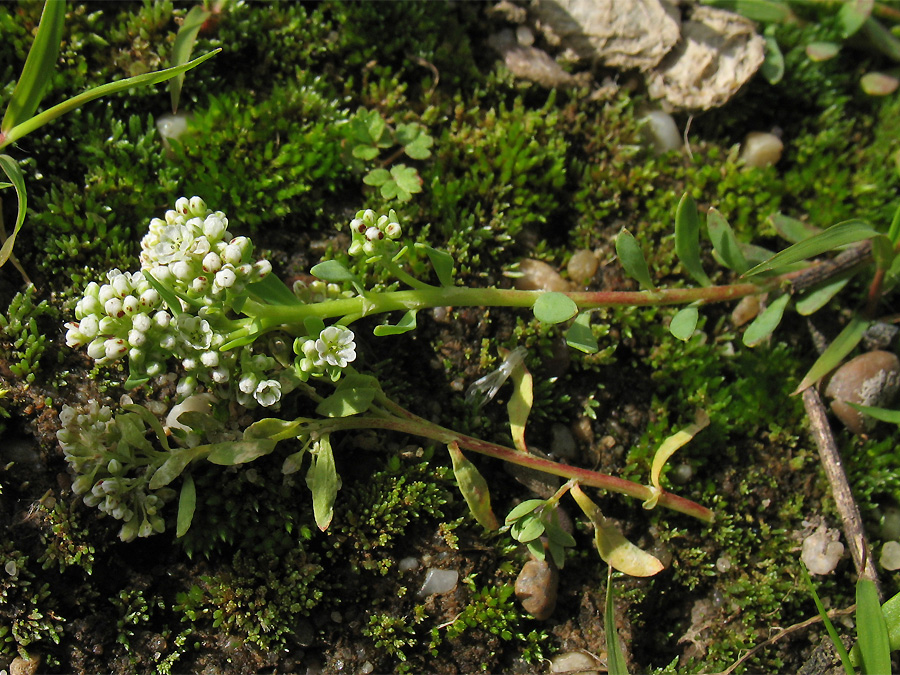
(67, 541)
(24, 338)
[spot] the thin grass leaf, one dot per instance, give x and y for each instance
(848, 232)
(871, 629)
(881, 414)
(792, 229)
(767, 321)
(687, 239)
(725, 244)
(36, 122)
(615, 659)
(814, 301)
(684, 323)
(184, 45)
(632, 258)
(881, 38)
(187, 504)
(14, 173)
(894, 230)
(580, 336)
(842, 345)
(39, 67)
(832, 633)
(668, 448)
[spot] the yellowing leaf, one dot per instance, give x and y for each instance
(519, 406)
(474, 488)
(667, 449)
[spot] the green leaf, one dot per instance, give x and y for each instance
(353, 395)
(558, 535)
(368, 152)
(764, 11)
(527, 529)
(132, 429)
(14, 173)
(883, 252)
(524, 509)
(580, 336)
(881, 414)
(36, 122)
(725, 244)
(894, 231)
(822, 51)
(614, 548)
(687, 239)
(271, 290)
(323, 481)
(632, 258)
(667, 449)
(683, 324)
(230, 453)
(174, 466)
(871, 629)
(853, 14)
(184, 45)
(151, 420)
(772, 67)
(881, 38)
(519, 405)
(766, 322)
(842, 345)
(406, 182)
(615, 659)
(376, 126)
(829, 627)
(39, 66)
(441, 261)
(166, 293)
(187, 503)
(474, 488)
(813, 301)
(377, 177)
(848, 232)
(552, 307)
(332, 270)
(420, 148)
(792, 229)
(275, 429)
(406, 323)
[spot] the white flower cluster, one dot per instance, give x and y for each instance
(373, 236)
(329, 353)
(88, 439)
(192, 254)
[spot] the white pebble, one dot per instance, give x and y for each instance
(761, 149)
(172, 126)
(409, 564)
(663, 131)
(524, 36)
(575, 663)
(539, 276)
(582, 266)
(890, 555)
(438, 581)
(822, 551)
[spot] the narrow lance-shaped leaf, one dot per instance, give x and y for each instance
(39, 66)
(614, 548)
(792, 229)
(874, 643)
(406, 323)
(323, 481)
(150, 420)
(174, 465)
(187, 503)
(725, 244)
(553, 307)
(14, 173)
(474, 488)
(848, 232)
(813, 301)
(881, 414)
(184, 45)
(684, 322)
(230, 453)
(667, 449)
(767, 321)
(580, 336)
(615, 659)
(894, 230)
(39, 120)
(842, 345)
(632, 258)
(829, 627)
(519, 405)
(687, 239)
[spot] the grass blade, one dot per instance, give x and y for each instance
(832, 632)
(848, 232)
(871, 629)
(184, 45)
(842, 345)
(615, 659)
(14, 173)
(39, 66)
(40, 120)
(724, 242)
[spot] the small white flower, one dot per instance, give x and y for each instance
(335, 347)
(268, 393)
(136, 338)
(210, 359)
(248, 383)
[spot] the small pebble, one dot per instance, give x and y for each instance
(172, 127)
(539, 276)
(536, 588)
(761, 149)
(576, 663)
(582, 266)
(890, 555)
(438, 581)
(723, 564)
(870, 379)
(663, 131)
(563, 442)
(822, 551)
(524, 36)
(20, 666)
(409, 564)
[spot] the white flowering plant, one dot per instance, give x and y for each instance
(204, 307)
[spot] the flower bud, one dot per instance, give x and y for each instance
(214, 227)
(357, 225)
(136, 338)
(219, 375)
(113, 307)
(162, 319)
(154, 368)
(130, 304)
(107, 326)
(248, 383)
(198, 206)
(356, 248)
(374, 234)
(182, 270)
(210, 359)
(97, 349)
(141, 322)
(212, 263)
(393, 230)
(89, 326)
(81, 485)
(115, 348)
(199, 285)
(105, 293)
(181, 206)
(114, 467)
(232, 254)
(261, 268)
(225, 278)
